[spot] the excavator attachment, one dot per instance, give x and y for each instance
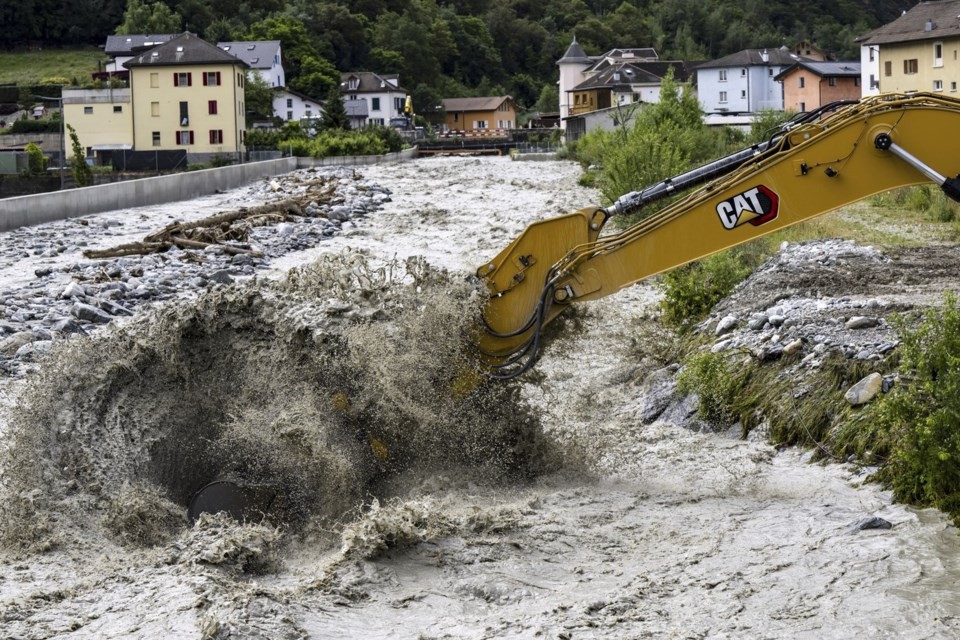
(817, 163)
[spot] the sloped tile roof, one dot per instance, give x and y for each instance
(754, 58)
(838, 69)
(258, 54)
(185, 49)
(627, 74)
(125, 45)
(925, 21)
(491, 103)
(369, 82)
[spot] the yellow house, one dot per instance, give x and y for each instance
(918, 51)
(472, 114)
(102, 119)
(188, 94)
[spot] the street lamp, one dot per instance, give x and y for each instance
(62, 121)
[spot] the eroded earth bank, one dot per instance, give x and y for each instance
(585, 501)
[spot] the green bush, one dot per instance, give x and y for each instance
(717, 383)
(35, 126)
(690, 291)
(36, 161)
(923, 412)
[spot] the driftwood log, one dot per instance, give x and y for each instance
(214, 230)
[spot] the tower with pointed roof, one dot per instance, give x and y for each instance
(572, 65)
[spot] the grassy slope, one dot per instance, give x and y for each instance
(28, 67)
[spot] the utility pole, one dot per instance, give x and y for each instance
(62, 125)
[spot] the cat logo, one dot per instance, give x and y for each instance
(756, 206)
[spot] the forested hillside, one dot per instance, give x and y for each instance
(465, 47)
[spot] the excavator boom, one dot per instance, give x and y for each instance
(814, 167)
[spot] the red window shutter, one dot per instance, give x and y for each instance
(204, 79)
(212, 107)
(176, 79)
(211, 136)
(218, 78)
(191, 137)
(189, 79)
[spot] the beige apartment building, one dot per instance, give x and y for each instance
(185, 94)
(188, 94)
(918, 51)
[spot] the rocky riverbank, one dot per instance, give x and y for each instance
(70, 294)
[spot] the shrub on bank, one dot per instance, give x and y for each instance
(354, 142)
(922, 414)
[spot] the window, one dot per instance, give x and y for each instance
(211, 78)
(479, 124)
(184, 137)
(910, 66)
(398, 104)
(871, 50)
(117, 108)
(183, 79)
(184, 114)
(289, 103)
(803, 107)
(938, 54)
(953, 86)
(378, 121)
(856, 81)
(770, 72)
(353, 84)
(374, 104)
(938, 85)
(576, 100)
(212, 107)
(154, 80)
(873, 82)
(723, 75)
(88, 110)
(802, 81)
(743, 73)
(743, 93)
(240, 80)
(156, 138)
(723, 96)
(155, 109)
(832, 82)
(216, 136)
(289, 115)
(308, 114)
(888, 68)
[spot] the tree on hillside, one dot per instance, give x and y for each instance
(143, 16)
(334, 113)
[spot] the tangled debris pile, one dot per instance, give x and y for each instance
(329, 386)
(184, 259)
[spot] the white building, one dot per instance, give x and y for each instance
(292, 106)
(743, 82)
(122, 48)
(383, 95)
(263, 56)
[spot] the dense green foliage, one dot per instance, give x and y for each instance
(922, 414)
(36, 161)
(690, 291)
(351, 142)
(25, 125)
(442, 48)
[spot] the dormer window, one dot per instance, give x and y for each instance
(179, 49)
(226, 48)
(254, 60)
(251, 47)
(353, 83)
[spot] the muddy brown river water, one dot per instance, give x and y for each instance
(650, 530)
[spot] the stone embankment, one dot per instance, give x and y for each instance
(80, 295)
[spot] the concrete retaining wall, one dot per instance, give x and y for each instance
(36, 209)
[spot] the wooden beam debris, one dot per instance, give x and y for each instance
(230, 226)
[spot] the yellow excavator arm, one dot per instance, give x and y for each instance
(825, 161)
